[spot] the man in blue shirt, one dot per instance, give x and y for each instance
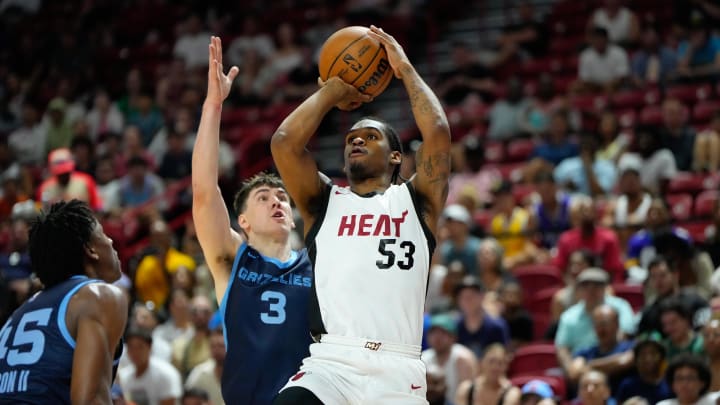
(476, 329)
(610, 355)
(575, 328)
(700, 54)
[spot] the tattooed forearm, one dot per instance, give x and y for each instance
(422, 100)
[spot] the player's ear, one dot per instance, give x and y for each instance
(395, 157)
(243, 222)
(90, 252)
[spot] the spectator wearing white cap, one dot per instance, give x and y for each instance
(460, 244)
(65, 183)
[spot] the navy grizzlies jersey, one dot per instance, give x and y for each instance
(265, 323)
(36, 349)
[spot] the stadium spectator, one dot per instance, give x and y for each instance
(65, 183)
(611, 355)
(711, 346)
(518, 319)
(190, 351)
(144, 317)
(593, 389)
(457, 362)
(700, 54)
(712, 242)
(83, 151)
(677, 325)
(524, 39)
(689, 378)
(613, 142)
(536, 119)
(251, 37)
(302, 79)
(206, 376)
(627, 212)
(108, 185)
(649, 382)
(567, 296)
(492, 385)
(706, 156)
(287, 55)
(603, 66)
(477, 329)
(155, 272)
(510, 226)
(575, 331)
(654, 62)
(473, 177)
(664, 284)
(139, 185)
(146, 117)
(28, 141)
(12, 194)
(585, 234)
(178, 324)
(557, 144)
(694, 266)
(586, 174)
(436, 388)
(466, 77)
(177, 160)
(104, 116)
(621, 23)
(506, 114)
(658, 162)
(147, 379)
(57, 127)
(254, 82)
(551, 214)
(460, 244)
(537, 392)
(492, 271)
(197, 396)
(191, 44)
(676, 135)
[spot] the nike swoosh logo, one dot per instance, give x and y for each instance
(415, 387)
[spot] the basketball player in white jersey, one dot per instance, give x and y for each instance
(370, 244)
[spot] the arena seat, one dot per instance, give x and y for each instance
(533, 359)
(705, 203)
(680, 206)
(633, 294)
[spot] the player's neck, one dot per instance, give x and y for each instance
(269, 246)
(376, 185)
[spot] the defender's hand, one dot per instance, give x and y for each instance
(219, 83)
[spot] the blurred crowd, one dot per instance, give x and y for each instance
(577, 254)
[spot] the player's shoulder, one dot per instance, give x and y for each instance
(99, 296)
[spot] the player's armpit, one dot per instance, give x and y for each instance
(97, 314)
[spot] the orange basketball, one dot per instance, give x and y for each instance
(358, 59)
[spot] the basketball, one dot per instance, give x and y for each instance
(351, 54)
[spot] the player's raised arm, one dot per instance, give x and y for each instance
(100, 312)
(433, 157)
(297, 168)
(218, 240)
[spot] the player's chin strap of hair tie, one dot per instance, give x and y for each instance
(369, 123)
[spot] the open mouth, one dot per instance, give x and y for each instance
(357, 151)
(278, 214)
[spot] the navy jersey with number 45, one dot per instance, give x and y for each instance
(266, 325)
(36, 348)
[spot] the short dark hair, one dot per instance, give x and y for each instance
(660, 259)
(58, 239)
(137, 161)
(690, 361)
(675, 304)
(260, 179)
(144, 334)
(599, 32)
(196, 393)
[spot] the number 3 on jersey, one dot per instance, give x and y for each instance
(276, 313)
(24, 336)
(388, 260)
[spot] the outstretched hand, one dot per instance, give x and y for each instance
(219, 83)
(395, 52)
(346, 97)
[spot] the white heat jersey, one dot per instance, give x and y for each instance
(371, 258)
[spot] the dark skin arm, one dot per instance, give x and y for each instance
(96, 318)
(433, 157)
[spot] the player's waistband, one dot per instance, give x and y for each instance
(412, 351)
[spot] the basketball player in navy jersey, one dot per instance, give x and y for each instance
(261, 283)
(370, 244)
(57, 348)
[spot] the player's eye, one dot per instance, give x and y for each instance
(372, 136)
